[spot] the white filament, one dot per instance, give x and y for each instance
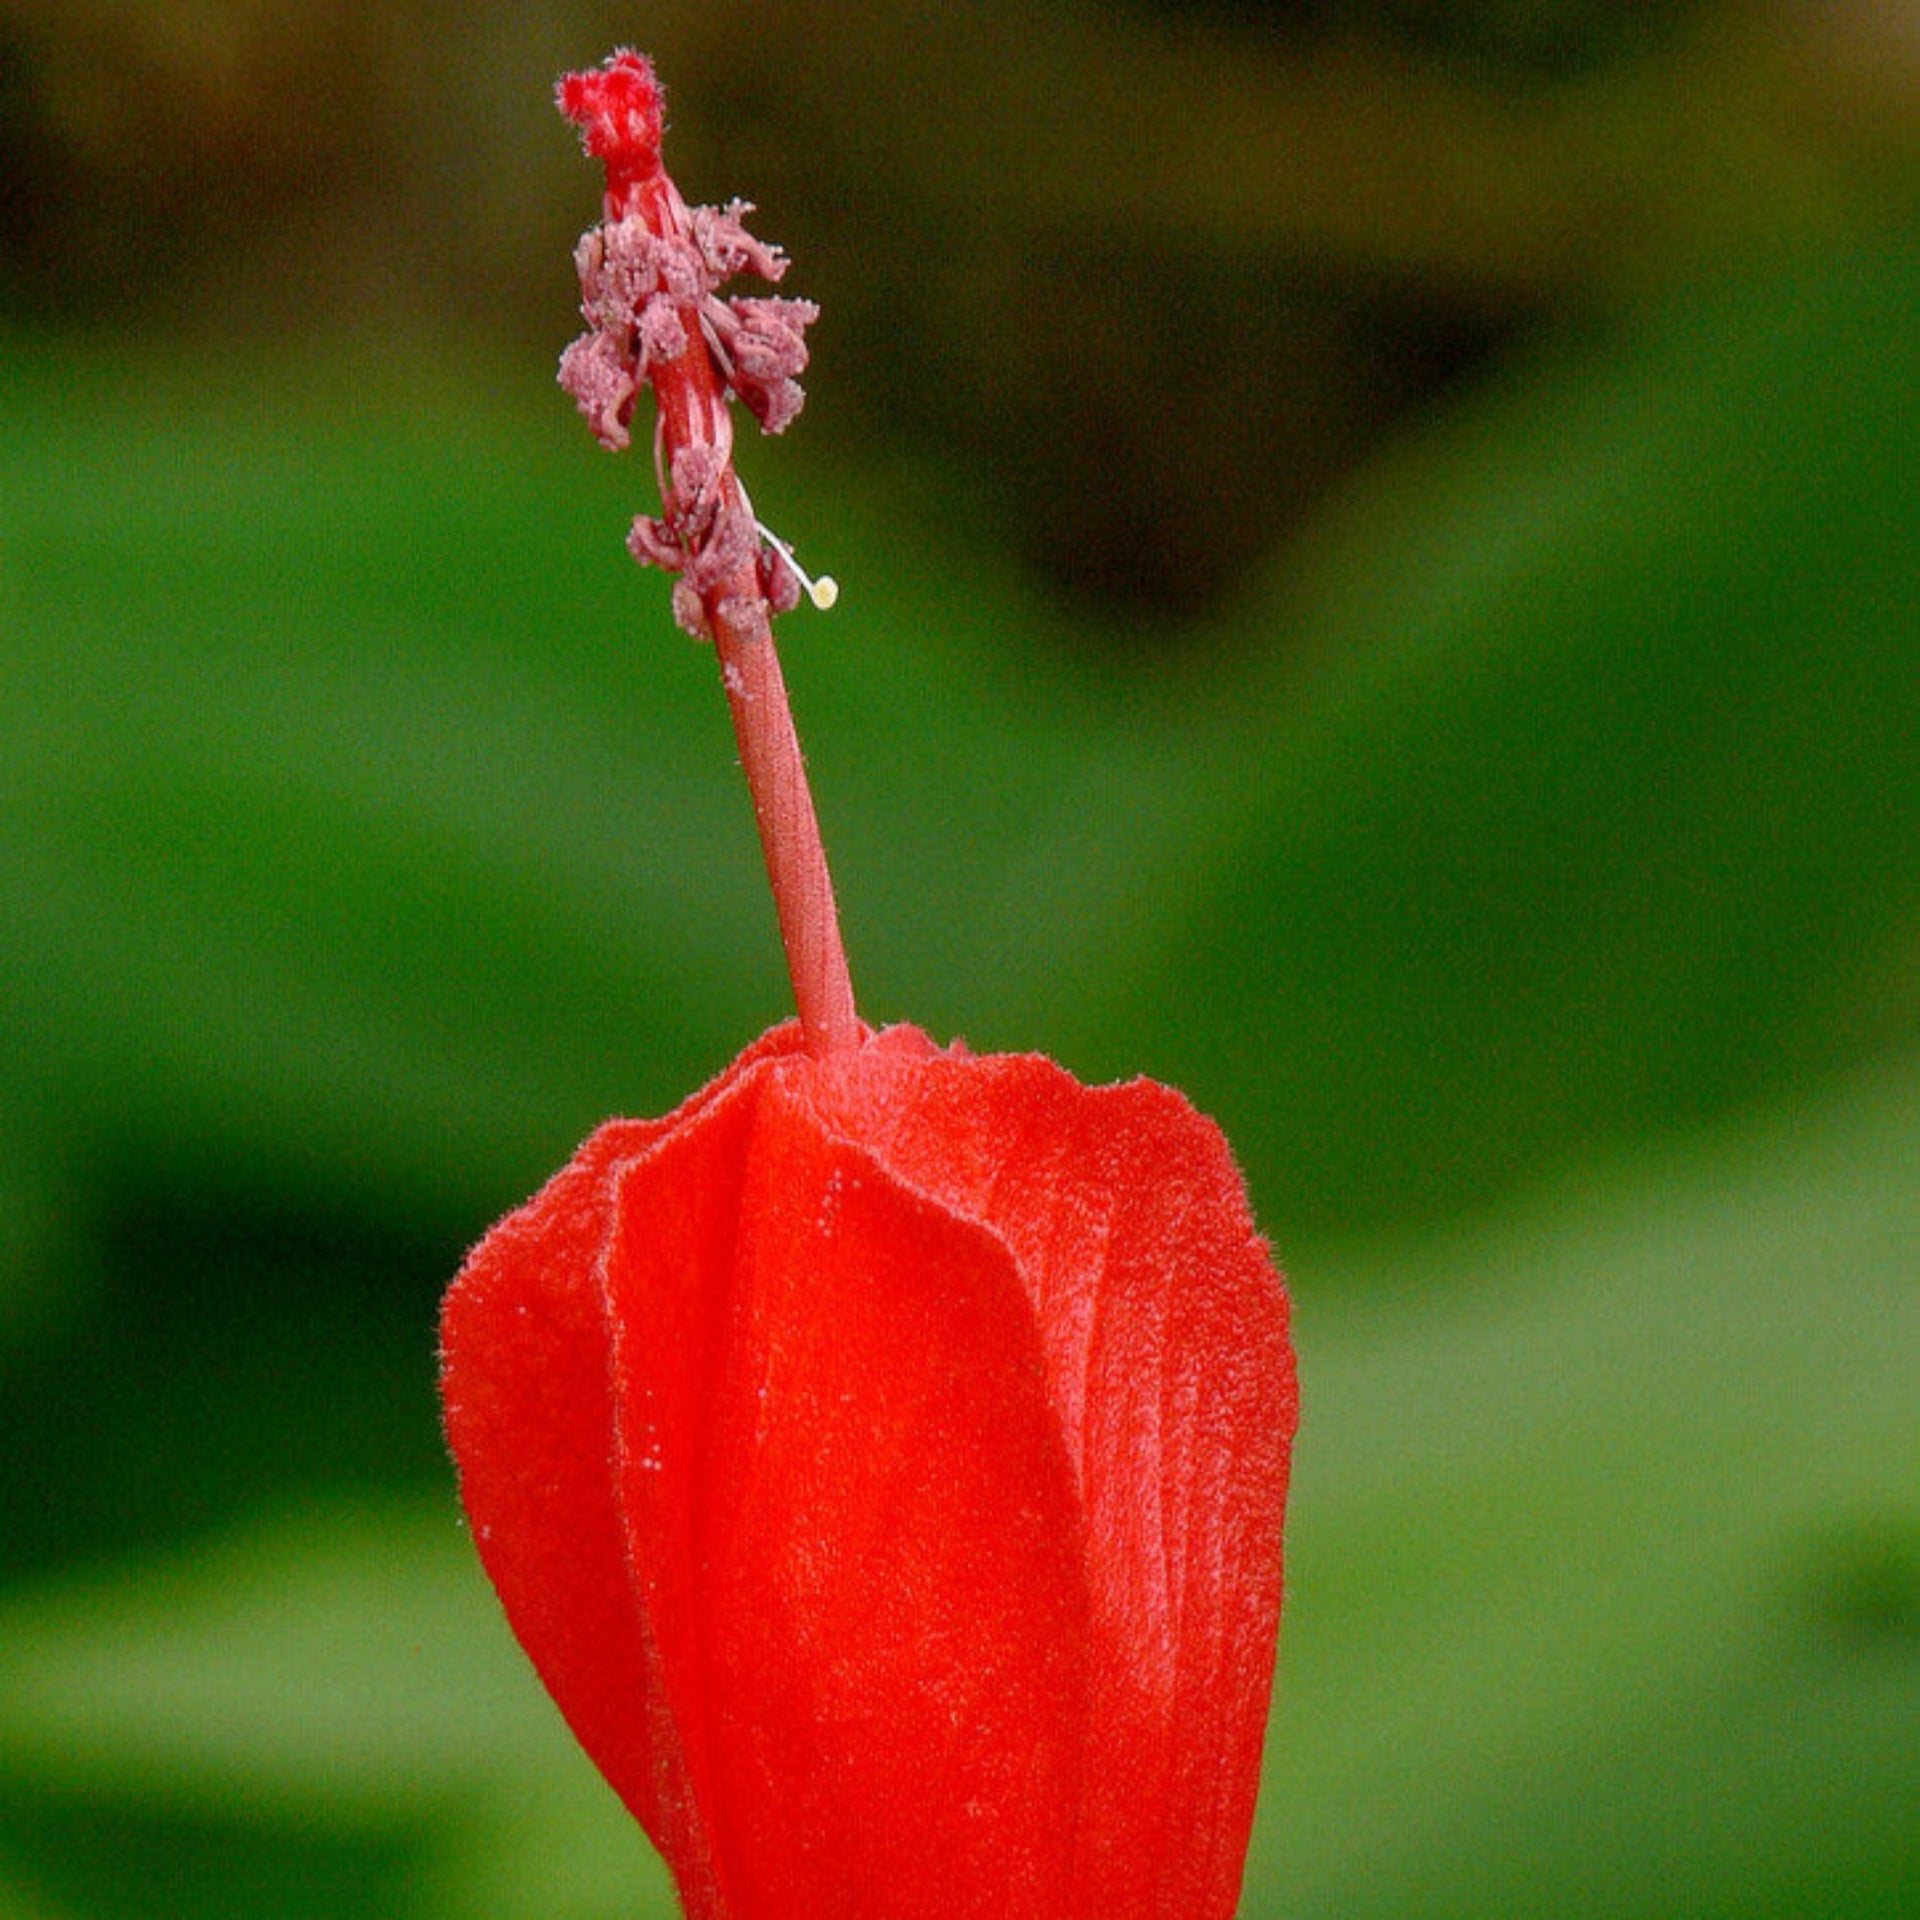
(824, 591)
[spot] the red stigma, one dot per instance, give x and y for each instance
(619, 110)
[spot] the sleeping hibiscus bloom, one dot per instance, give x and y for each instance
(882, 1460)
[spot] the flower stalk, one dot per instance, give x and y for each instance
(789, 837)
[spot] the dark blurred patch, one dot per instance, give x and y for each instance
(29, 170)
(247, 1342)
(1861, 1584)
(1545, 39)
(1146, 421)
(92, 1857)
(1216, 399)
(161, 163)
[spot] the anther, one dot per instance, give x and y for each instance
(823, 592)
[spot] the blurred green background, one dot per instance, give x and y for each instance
(1380, 550)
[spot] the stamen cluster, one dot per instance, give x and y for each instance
(650, 279)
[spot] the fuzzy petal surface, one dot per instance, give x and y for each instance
(882, 1460)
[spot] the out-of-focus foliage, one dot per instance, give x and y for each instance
(369, 833)
(1160, 273)
(1523, 861)
(1616, 818)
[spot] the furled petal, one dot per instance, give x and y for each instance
(527, 1391)
(889, 1552)
(1171, 1371)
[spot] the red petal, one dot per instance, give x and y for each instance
(529, 1415)
(878, 1595)
(528, 1395)
(1165, 1327)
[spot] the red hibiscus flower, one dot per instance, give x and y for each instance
(883, 1458)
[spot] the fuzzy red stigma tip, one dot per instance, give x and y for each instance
(618, 108)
